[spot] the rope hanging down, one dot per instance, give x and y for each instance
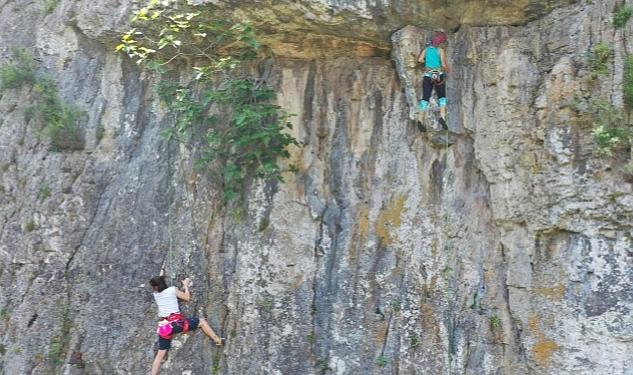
(448, 271)
(170, 261)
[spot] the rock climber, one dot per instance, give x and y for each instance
(435, 73)
(171, 321)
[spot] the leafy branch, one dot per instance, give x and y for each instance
(227, 116)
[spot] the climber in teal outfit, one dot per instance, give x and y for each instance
(435, 72)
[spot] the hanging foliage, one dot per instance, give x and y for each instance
(226, 114)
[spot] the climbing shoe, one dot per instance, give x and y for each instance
(421, 126)
(443, 123)
(423, 105)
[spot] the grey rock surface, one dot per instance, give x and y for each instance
(508, 252)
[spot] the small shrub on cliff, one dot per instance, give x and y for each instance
(29, 226)
(495, 322)
(60, 342)
(414, 340)
(226, 115)
(622, 15)
(58, 117)
(627, 84)
(599, 59)
(4, 316)
(50, 6)
(611, 131)
(21, 71)
(44, 192)
(381, 361)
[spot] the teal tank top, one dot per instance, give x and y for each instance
(432, 59)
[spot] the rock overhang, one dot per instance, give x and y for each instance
(322, 28)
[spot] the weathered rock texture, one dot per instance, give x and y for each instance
(507, 253)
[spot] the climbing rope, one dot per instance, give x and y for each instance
(168, 263)
(170, 250)
(449, 276)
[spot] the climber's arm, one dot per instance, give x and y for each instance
(445, 67)
(186, 295)
(422, 56)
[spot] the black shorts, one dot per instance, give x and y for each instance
(427, 88)
(165, 344)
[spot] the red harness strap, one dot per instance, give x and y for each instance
(179, 319)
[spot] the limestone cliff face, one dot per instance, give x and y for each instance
(507, 252)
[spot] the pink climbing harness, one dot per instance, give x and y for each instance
(166, 325)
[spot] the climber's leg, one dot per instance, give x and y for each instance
(440, 90)
(427, 88)
(206, 328)
(157, 360)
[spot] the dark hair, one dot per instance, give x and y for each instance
(158, 283)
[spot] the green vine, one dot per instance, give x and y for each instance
(225, 114)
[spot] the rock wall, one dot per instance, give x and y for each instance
(508, 252)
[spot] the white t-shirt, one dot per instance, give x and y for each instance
(167, 302)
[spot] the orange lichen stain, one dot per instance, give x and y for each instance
(360, 232)
(365, 50)
(543, 351)
(428, 316)
(363, 221)
(556, 292)
(430, 326)
(489, 274)
(544, 348)
(533, 324)
(380, 331)
(389, 219)
(433, 283)
(434, 246)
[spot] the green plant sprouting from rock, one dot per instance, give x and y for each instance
(59, 118)
(621, 15)
(599, 59)
(29, 226)
(21, 71)
(495, 322)
(44, 192)
(611, 130)
(60, 342)
(381, 361)
(414, 340)
(50, 5)
(223, 112)
(627, 84)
